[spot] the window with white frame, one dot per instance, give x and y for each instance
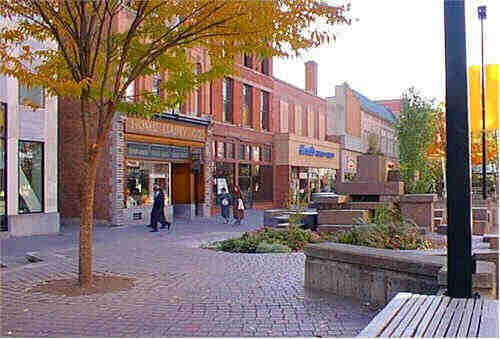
(31, 96)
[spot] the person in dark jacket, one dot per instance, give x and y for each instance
(158, 213)
(225, 205)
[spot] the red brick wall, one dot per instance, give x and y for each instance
(282, 185)
(70, 164)
(296, 96)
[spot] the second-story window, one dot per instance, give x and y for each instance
(156, 84)
(31, 95)
(247, 60)
(227, 98)
(247, 105)
(265, 66)
(264, 108)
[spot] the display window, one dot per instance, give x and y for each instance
(140, 178)
(31, 177)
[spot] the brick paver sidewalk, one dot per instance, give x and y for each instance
(180, 290)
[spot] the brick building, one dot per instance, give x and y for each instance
(353, 119)
(304, 158)
(248, 129)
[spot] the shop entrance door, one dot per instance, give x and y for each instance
(182, 188)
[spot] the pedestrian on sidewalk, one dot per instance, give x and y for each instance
(225, 204)
(238, 206)
(158, 211)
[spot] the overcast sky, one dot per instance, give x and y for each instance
(394, 45)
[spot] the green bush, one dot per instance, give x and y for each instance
(265, 247)
(389, 231)
(283, 240)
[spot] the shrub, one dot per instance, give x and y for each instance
(389, 231)
(282, 240)
(265, 247)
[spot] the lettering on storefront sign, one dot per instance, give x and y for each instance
(157, 128)
(313, 152)
(149, 151)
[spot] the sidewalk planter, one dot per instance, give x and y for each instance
(419, 208)
(370, 274)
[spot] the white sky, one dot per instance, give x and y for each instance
(394, 45)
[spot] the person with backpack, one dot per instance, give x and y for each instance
(225, 205)
(238, 206)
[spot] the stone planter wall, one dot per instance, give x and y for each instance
(419, 208)
(370, 274)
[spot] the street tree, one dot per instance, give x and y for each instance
(415, 131)
(90, 55)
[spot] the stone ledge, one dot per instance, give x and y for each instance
(377, 258)
(418, 198)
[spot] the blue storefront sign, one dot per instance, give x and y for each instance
(311, 151)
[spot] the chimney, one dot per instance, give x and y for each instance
(312, 77)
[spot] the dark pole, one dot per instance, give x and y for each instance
(457, 153)
(481, 11)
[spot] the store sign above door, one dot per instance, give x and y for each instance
(313, 152)
(149, 151)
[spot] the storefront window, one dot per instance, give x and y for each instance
(256, 153)
(141, 176)
(30, 177)
(267, 154)
(230, 151)
(247, 152)
(241, 152)
(220, 149)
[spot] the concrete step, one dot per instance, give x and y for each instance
(343, 217)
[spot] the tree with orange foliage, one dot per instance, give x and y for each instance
(87, 55)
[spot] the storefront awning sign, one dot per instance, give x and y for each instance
(313, 152)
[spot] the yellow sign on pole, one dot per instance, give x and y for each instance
(491, 98)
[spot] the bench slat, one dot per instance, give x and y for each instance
(385, 316)
(470, 308)
(475, 319)
(436, 318)
(405, 309)
(429, 315)
(458, 318)
(448, 315)
(405, 322)
(419, 322)
(489, 320)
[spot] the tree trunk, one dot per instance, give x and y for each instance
(87, 221)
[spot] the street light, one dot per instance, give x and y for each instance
(481, 12)
(459, 277)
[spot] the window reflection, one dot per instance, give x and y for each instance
(30, 177)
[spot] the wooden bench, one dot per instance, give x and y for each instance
(414, 315)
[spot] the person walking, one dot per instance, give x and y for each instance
(225, 204)
(158, 213)
(238, 206)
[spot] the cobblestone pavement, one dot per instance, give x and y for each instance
(180, 289)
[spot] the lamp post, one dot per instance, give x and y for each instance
(481, 12)
(459, 277)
